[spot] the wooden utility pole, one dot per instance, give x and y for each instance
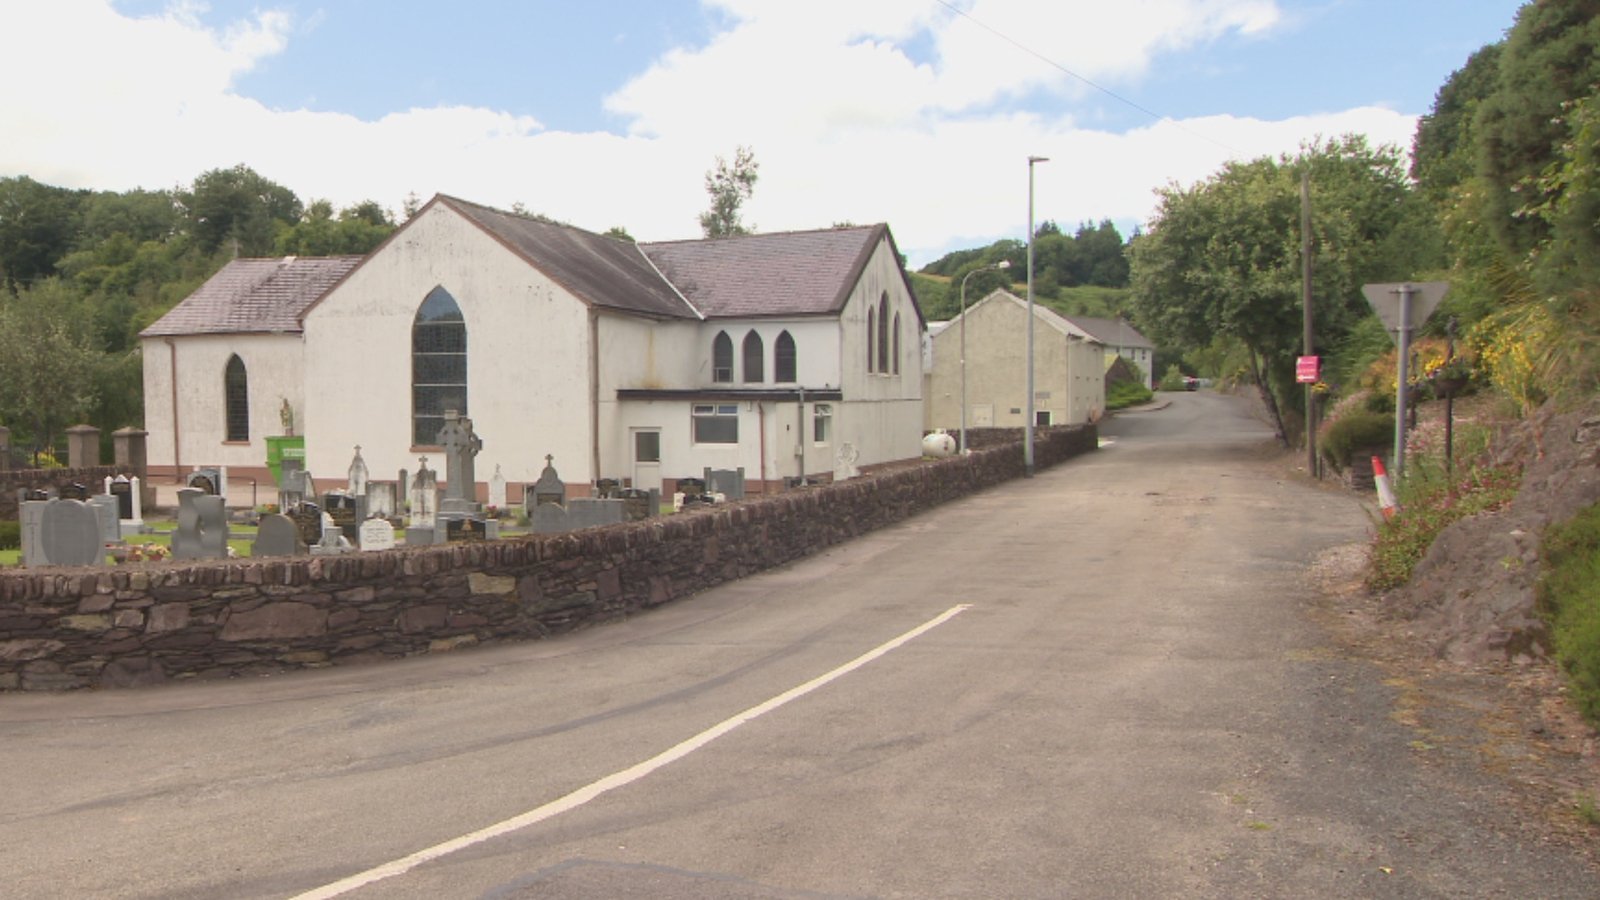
(1305, 298)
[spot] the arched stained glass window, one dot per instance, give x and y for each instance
(883, 334)
(784, 362)
(236, 398)
(722, 358)
(438, 365)
(872, 339)
(896, 356)
(754, 362)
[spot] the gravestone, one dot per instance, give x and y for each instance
(638, 504)
(61, 533)
(497, 489)
(74, 491)
(278, 535)
(549, 489)
(307, 518)
(420, 535)
(580, 512)
(105, 510)
(424, 497)
(461, 446)
(348, 511)
(607, 488)
(202, 526)
(357, 475)
(293, 488)
(402, 488)
(692, 489)
(377, 534)
(130, 503)
(381, 499)
(465, 530)
(208, 480)
(333, 540)
(727, 482)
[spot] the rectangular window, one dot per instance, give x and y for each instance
(716, 423)
(647, 446)
(1041, 417)
(822, 423)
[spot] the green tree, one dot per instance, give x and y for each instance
(1223, 257)
(238, 210)
(729, 187)
(355, 231)
(1443, 153)
(1551, 58)
(48, 365)
(37, 225)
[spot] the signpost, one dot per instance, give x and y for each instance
(1402, 307)
(1307, 369)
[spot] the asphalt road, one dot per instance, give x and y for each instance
(1100, 682)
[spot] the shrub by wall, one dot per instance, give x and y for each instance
(71, 628)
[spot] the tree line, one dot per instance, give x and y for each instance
(82, 272)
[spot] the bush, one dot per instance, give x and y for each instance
(1173, 380)
(1568, 594)
(1124, 394)
(10, 535)
(1428, 503)
(1342, 438)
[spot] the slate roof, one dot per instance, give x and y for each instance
(1113, 332)
(254, 296)
(795, 273)
(602, 271)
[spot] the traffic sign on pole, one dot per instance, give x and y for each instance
(1385, 301)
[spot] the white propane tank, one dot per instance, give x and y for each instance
(939, 444)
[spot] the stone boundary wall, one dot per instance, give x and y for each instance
(65, 628)
(13, 480)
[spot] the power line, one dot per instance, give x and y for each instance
(1063, 69)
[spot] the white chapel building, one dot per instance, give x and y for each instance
(789, 355)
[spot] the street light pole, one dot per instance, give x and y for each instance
(1002, 264)
(1027, 426)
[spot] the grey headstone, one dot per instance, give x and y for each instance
(549, 489)
(461, 446)
(424, 497)
(581, 512)
(31, 515)
(278, 536)
(727, 482)
(419, 535)
(69, 533)
(105, 507)
(202, 526)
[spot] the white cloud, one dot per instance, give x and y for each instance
(845, 124)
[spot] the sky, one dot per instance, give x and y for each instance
(918, 113)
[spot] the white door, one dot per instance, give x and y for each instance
(646, 458)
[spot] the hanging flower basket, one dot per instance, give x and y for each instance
(1449, 386)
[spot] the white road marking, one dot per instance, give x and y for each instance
(619, 779)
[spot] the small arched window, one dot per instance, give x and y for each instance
(754, 362)
(872, 339)
(438, 365)
(896, 356)
(783, 360)
(883, 334)
(722, 358)
(236, 398)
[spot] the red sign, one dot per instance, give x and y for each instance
(1306, 369)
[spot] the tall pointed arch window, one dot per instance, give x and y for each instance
(754, 358)
(896, 357)
(872, 339)
(784, 360)
(438, 365)
(722, 358)
(236, 399)
(883, 334)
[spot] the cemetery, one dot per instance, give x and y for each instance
(376, 569)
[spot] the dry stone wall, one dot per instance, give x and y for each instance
(83, 627)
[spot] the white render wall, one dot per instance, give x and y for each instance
(1072, 392)
(527, 357)
(273, 369)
